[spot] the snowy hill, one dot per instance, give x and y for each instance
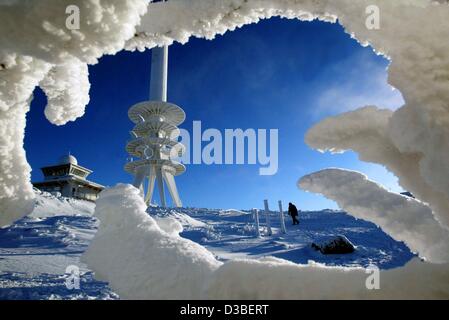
(35, 252)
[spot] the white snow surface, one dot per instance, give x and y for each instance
(232, 212)
(35, 252)
(49, 205)
(166, 265)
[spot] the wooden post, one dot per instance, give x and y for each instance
(256, 220)
(267, 218)
(281, 218)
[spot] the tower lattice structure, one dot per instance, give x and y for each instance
(155, 137)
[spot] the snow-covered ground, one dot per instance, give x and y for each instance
(35, 252)
(232, 235)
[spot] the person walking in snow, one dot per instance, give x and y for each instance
(293, 212)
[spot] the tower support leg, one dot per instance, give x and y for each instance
(171, 184)
(160, 184)
(151, 181)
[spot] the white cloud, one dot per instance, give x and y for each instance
(364, 82)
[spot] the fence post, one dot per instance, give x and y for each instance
(281, 217)
(267, 218)
(256, 220)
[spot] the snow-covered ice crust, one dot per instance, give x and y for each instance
(412, 142)
(367, 132)
(142, 257)
(404, 218)
(36, 49)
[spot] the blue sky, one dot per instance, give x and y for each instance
(277, 74)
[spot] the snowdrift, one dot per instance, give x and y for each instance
(141, 260)
(138, 257)
(49, 205)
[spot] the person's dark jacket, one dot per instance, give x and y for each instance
(292, 210)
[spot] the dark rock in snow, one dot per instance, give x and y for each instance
(408, 194)
(333, 245)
